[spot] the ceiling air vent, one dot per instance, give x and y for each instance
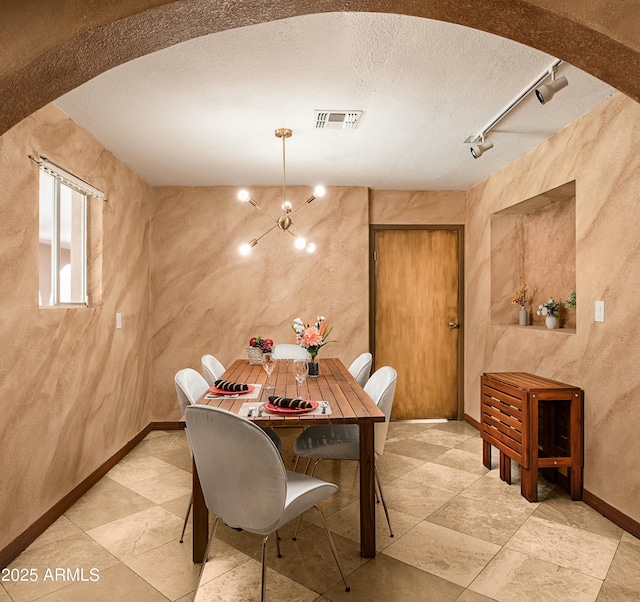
(337, 120)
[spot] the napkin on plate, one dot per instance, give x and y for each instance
(225, 385)
(288, 402)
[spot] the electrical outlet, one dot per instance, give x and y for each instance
(599, 317)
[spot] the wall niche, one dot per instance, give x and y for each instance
(534, 241)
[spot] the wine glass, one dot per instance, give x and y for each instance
(300, 371)
(268, 363)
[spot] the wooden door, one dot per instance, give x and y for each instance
(416, 299)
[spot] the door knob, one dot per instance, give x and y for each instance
(453, 325)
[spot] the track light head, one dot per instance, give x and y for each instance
(546, 93)
(478, 149)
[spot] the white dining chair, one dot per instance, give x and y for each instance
(212, 369)
(289, 351)
(255, 496)
(190, 386)
(360, 368)
(342, 442)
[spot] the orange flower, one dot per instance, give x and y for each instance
(311, 337)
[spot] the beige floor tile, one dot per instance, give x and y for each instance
(178, 506)
(102, 505)
(395, 465)
(346, 522)
(491, 487)
(628, 538)
(515, 577)
(404, 430)
(190, 597)
(138, 533)
(116, 583)
(243, 584)
(136, 468)
(468, 596)
(60, 529)
(389, 580)
(462, 460)
(494, 520)
(415, 499)
(75, 552)
(179, 457)
(165, 487)
(566, 546)
(457, 426)
(623, 579)
(437, 436)
(473, 445)
(4, 596)
(415, 449)
(170, 569)
(443, 477)
(154, 434)
(173, 440)
(558, 508)
(453, 556)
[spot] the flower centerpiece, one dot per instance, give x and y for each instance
(257, 346)
(550, 309)
(520, 298)
(312, 338)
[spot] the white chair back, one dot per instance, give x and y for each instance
(190, 386)
(288, 351)
(244, 492)
(381, 387)
(212, 369)
(360, 368)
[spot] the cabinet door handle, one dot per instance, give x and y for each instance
(453, 325)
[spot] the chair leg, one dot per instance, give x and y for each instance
(206, 552)
(384, 504)
(295, 463)
(263, 590)
(186, 518)
(278, 545)
(333, 548)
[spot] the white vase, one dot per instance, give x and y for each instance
(551, 322)
(523, 316)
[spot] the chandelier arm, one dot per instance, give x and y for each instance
(301, 205)
(284, 173)
(267, 232)
(254, 204)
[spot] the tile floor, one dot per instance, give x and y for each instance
(460, 534)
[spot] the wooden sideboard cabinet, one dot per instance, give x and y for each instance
(538, 423)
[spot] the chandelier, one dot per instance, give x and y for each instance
(283, 222)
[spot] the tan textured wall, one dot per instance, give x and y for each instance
(601, 151)
(207, 298)
(73, 390)
(416, 207)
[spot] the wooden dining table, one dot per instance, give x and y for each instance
(349, 405)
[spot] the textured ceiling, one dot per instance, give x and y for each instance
(204, 112)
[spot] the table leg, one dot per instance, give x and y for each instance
(367, 492)
(505, 468)
(200, 519)
(486, 454)
(576, 446)
(529, 476)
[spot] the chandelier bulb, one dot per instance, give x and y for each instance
(310, 247)
(243, 195)
(286, 206)
(245, 250)
(300, 243)
(319, 191)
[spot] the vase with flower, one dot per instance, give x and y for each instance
(312, 338)
(520, 298)
(549, 309)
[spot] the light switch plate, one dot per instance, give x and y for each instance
(599, 317)
(118, 320)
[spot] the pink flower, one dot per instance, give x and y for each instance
(311, 337)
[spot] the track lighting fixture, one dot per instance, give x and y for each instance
(546, 93)
(477, 150)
